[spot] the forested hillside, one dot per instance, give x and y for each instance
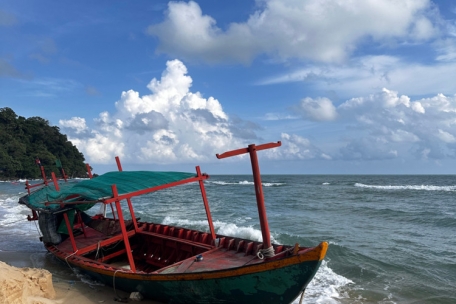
(23, 140)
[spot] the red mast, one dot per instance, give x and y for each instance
(251, 149)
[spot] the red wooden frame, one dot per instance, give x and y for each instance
(251, 149)
(115, 200)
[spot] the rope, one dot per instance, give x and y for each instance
(21, 220)
(117, 298)
(66, 259)
(38, 230)
(98, 249)
(302, 297)
(266, 253)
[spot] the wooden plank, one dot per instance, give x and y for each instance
(185, 265)
(104, 243)
(182, 241)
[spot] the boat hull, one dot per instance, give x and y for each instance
(278, 281)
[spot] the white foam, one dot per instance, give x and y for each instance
(14, 216)
(409, 187)
(11, 219)
(13, 213)
(326, 184)
(12, 200)
(249, 233)
(228, 229)
(85, 278)
(241, 220)
(273, 184)
(245, 183)
(326, 287)
(15, 181)
(168, 220)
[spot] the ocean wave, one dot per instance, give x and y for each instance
(13, 181)
(446, 222)
(245, 183)
(325, 287)
(228, 229)
(9, 201)
(408, 187)
(13, 213)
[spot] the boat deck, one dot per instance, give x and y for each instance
(82, 241)
(217, 259)
(164, 249)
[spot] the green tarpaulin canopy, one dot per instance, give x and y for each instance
(99, 188)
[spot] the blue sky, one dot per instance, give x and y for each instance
(347, 86)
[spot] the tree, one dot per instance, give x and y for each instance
(22, 140)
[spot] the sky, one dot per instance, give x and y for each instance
(348, 87)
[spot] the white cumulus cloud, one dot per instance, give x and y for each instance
(77, 124)
(319, 109)
(172, 124)
(175, 125)
(391, 125)
(321, 30)
(296, 147)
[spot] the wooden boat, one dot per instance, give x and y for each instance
(162, 262)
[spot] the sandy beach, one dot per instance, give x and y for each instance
(21, 283)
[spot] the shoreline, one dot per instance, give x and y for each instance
(69, 287)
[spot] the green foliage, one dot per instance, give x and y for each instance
(22, 140)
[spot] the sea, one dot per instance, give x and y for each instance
(392, 238)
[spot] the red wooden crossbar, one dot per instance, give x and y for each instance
(105, 242)
(246, 150)
(156, 188)
(28, 186)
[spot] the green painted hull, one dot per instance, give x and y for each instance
(277, 285)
